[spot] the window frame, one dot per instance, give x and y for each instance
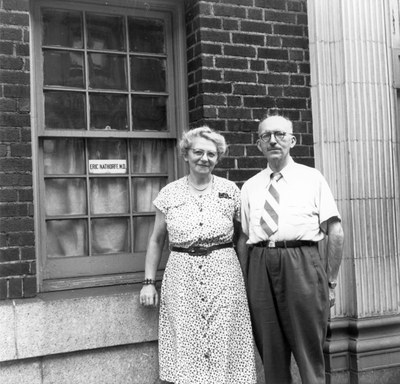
(177, 121)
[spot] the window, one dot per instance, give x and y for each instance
(107, 91)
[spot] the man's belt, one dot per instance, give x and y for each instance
(201, 251)
(285, 244)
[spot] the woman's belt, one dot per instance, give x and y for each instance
(285, 244)
(201, 251)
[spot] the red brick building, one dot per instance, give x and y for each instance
(93, 97)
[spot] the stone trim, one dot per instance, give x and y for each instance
(70, 321)
(361, 345)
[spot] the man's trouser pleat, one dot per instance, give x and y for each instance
(289, 305)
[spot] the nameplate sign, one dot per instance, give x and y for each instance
(107, 166)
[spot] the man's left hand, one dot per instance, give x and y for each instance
(332, 297)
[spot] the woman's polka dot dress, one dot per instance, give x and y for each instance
(205, 334)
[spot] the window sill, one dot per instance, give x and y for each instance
(67, 321)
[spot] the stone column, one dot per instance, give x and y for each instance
(357, 148)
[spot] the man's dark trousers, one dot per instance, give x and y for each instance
(289, 304)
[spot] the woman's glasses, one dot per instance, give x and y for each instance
(200, 153)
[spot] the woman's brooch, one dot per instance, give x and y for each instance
(223, 195)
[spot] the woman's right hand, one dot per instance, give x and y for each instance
(149, 296)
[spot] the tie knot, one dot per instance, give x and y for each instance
(276, 176)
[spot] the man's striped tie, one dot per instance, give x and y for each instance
(269, 216)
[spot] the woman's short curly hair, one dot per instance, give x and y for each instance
(188, 137)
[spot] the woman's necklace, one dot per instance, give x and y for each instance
(199, 189)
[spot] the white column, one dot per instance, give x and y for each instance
(357, 146)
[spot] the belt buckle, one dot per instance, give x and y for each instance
(271, 244)
(198, 251)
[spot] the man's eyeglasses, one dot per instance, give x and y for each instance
(279, 135)
(200, 153)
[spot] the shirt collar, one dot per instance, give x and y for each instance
(285, 172)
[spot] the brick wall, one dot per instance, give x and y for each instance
(17, 252)
(245, 56)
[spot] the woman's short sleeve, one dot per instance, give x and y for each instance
(161, 201)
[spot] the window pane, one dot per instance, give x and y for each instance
(65, 196)
(148, 74)
(108, 112)
(65, 110)
(143, 228)
(110, 235)
(63, 156)
(102, 149)
(62, 28)
(105, 32)
(109, 195)
(149, 156)
(106, 108)
(146, 35)
(63, 68)
(149, 113)
(107, 71)
(144, 191)
(66, 238)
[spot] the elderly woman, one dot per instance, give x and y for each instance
(205, 334)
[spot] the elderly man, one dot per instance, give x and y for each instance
(288, 208)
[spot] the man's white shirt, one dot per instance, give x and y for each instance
(306, 203)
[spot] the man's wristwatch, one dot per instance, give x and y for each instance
(332, 284)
